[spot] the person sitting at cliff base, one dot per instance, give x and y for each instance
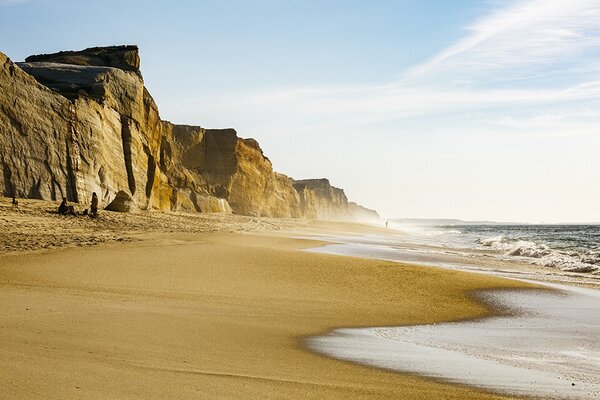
(65, 209)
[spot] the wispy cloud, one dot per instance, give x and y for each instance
(11, 2)
(524, 55)
(403, 101)
(524, 38)
(548, 119)
(534, 34)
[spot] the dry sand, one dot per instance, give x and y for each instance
(207, 315)
(35, 225)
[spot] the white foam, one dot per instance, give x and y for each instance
(543, 255)
(492, 242)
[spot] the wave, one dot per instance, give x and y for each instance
(584, 260)
(491, 242)
(568, 248)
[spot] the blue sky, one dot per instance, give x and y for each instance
(465, 109)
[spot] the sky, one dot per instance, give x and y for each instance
(434, 109)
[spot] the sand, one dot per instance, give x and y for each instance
(35, 225)
(214, 314)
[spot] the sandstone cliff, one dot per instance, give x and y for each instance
(205, 165)
(77, 130)
(362, 214)
(73, 123)
(321, 200)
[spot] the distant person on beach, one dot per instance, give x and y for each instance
(94, 207)
(15, 203)
(386, 224)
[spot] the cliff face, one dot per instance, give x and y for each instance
(73, 123)
(362, 214)
(217, 164)
(105, 137)
(30, 115)
(321, 200)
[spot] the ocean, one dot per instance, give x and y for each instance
(571, 248)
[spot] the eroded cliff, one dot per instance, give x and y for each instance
(73, 123)
(321, 200)
(362, 214)
(213, 170)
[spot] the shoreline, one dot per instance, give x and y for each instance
(431, 350)
(220, 312)
(407, 249)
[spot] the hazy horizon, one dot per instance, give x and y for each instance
(485, 221)
(476, 110)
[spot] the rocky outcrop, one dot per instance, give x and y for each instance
(73, 123)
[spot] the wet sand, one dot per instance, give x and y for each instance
(214, 315)
(548, 349)
(547, 345)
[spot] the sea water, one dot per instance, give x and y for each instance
(568, 248)
(573, 248)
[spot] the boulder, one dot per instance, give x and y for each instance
(122, 202)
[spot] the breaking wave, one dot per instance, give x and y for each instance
(570, 260)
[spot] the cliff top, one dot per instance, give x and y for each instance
(316, 183)
(313, 181)
(125, 57)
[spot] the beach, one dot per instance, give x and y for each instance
(214, 315)
(342, 200)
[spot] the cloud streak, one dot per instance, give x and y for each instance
(501, 67)
(11, 2)
(411, 101)
(535, 34)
